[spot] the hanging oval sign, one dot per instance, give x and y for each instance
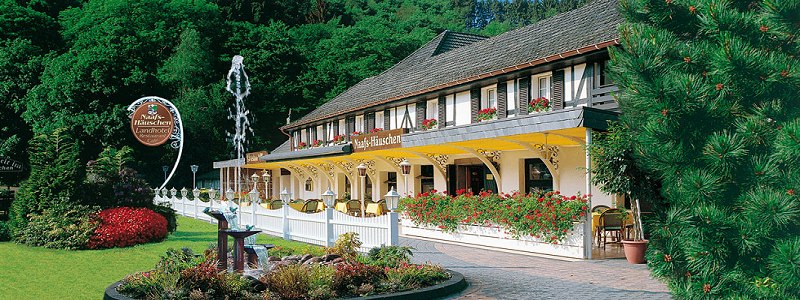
(152, 124)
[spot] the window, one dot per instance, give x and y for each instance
(391, 180)
(379, 121)
(320, 133)
(511, 99)
(432, 109)
(543, 85)
(426, 178)
(450, 110)
(602, 70)
(462, 105)
(295, 139)
(343, 128)
(489, 97)
(309, 185)
(359, 123)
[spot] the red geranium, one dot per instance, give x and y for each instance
(128, 226)
(487, 114)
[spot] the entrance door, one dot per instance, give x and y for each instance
(475, 181)
(537, 176)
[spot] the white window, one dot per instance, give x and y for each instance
(343, 128)
(462, 105)
(320, 133)
(360, 123)
(541, 85)
(432, 109)
(489, 97)
(450, 110)
(379, 119)
(295, 138)
(304, 135)
(511, 98)
(329, 133)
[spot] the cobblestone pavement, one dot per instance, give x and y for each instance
(500, 275)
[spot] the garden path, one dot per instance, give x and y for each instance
(494, 274)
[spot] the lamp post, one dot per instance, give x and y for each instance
(405, 166)
(165, 168)
(196, 194)
(212, 196)
(392, 199)
(328, 197)
(362, 172)
(254, 198)
(194, 177)
(267, 179)
(285, 197)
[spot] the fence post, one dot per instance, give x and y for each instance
(253, 204)
(328, 226)
(285, 208)
(394, 233)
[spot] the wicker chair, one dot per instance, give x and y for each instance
(600, 208)
(354, 208)
(276, 204)
(310, 206)
(610, 220)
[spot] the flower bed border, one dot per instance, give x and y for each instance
(454, 285)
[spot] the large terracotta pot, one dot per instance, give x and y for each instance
(634, 250)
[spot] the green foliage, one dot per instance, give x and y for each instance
(5, 232)
(169, 214)
(61, 226)
(346, 246)
(390, 256)
(55, 176)
(408, 277)
(288, 282)
(708, 101)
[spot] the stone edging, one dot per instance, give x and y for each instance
(455, 284)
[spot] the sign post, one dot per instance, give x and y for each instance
(154, 121)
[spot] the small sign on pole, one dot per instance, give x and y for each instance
(152, 124)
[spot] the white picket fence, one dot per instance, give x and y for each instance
(321, 228)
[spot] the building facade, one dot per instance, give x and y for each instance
(507, 113)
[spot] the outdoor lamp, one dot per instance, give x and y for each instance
(162, 192)
(392, 198)
(212, 194)
(266, 176)
(229, 194)
(285, 196)
(254, 196)
(328, 197)
(196, 193)
(405, 166)
(184, 192)
(173, 192)
(362, 170)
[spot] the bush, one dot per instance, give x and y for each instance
(56, 176)
(407, 276)
(356, 279)
(288, 282)
(63, 226)
(126, 226)
(112, 184)
(5, 234)
(346, 246)
(169, 214)
(389, 256)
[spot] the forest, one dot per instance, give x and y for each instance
(77, 65)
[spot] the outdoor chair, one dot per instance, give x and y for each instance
(275, 204)
(610, 221)
(354, 208)
(310, 206)
(600, 208)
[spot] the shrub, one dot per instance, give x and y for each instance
(355, 278)
(5, 234)
(112, 184)
(389, 256)
(56, 175)
(126, 226)
(203, 277)
(407, 276)
(288, 282)
(169, 214)
(346, 246)
(63, 226)
(320, 283)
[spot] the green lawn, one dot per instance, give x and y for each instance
(40, 273)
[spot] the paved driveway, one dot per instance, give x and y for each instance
(500, 275)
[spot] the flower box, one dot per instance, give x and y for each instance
(316, 143)
(487, 114)
(356, 133)
(376, 130)
(540, 104)
(338, 139)
(302, 145)
(429, 124)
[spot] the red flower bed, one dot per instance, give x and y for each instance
(128, 226)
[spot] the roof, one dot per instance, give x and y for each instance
(284, 147)
(429, 68)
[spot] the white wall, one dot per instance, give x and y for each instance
(573, 175)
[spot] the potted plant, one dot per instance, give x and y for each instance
(636, 248)
(376, 130)
(316, 143)
(487, 114)
(339, 138)
(429, 124)
(302, 145)
(356, 133)
(539, 105)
